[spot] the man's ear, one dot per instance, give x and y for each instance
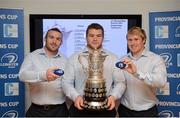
(144, 41)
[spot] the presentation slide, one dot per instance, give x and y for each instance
(74, 34)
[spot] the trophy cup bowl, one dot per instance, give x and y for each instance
(95, 88)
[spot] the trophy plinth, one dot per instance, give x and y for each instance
(95, 88)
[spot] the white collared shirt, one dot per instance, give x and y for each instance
(33, 71)
(141, 88)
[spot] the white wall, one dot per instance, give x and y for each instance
(142, 7)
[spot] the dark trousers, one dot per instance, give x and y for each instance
(125, 112)
(59, 110)
(74, 112)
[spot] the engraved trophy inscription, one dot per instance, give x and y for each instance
(95, 88)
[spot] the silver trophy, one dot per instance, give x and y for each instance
(95, 88)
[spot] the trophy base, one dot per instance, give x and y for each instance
(95, 106)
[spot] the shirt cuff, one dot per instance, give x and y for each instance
(42, 76)
(145, 77)
(138, 75)
(74, 96)
(115, 97)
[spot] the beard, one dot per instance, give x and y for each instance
(53, 49)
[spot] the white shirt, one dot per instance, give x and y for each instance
(76, 75)
(33, 71)
(141, 88)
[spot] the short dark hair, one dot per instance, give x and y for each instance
(53, 29)
(95, 26)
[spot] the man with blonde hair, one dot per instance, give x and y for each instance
(144, 73)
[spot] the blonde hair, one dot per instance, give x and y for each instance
(137, 31)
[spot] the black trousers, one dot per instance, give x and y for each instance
(59, 110)
(74, 112)
(125, 112)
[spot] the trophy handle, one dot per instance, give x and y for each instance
(84, 67)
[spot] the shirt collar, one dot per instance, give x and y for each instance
(43, 52)
(85, 50)
(143, 54)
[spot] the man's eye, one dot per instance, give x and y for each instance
(99, 35)
(91, 35)
(51, 37)
(58, 38)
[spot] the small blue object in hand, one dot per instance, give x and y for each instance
(59, 72)
(120, 65)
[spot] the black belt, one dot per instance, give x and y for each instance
(153, 107)
(46, 107)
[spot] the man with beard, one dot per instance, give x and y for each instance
(37, 70)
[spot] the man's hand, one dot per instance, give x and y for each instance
(111, 102)
(50, 74)
(79, 102)
(131, 68)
